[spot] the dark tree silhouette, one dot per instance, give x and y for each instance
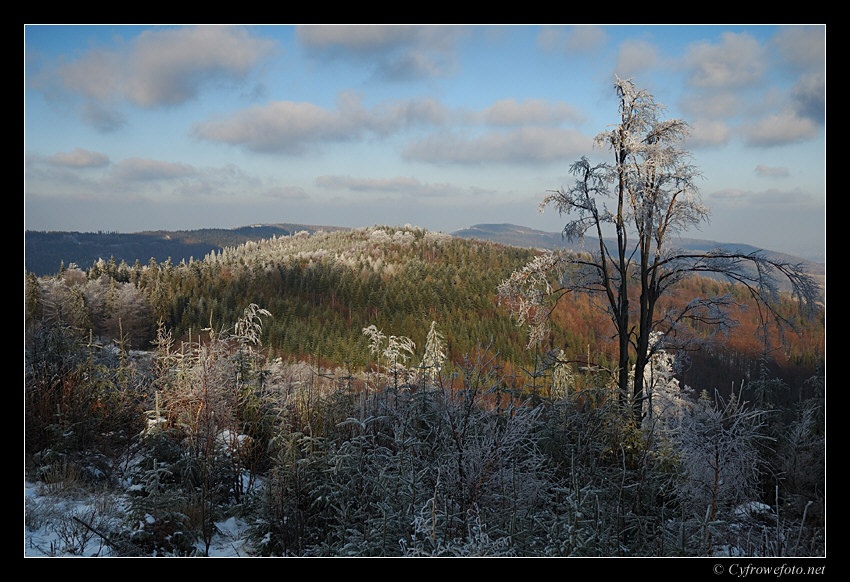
(632, 262)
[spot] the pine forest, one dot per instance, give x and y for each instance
(371, 392)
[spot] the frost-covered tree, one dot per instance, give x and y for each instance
(631, 260)
(721, 449)
(669, 401)
(395, 354)
(435, 353)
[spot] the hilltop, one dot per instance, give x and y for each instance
(324, 287)
(46, 251)
(331, 393)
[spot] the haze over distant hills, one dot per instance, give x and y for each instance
(522, 236)
(44, 252)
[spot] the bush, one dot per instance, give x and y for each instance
(76, 408)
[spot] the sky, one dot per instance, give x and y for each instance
(134, 128)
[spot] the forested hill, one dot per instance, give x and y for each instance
(46, 252)
(323, 289)
(322, 350)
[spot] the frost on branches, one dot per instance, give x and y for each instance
(629, 209)
(395, 354)
(669, 401)
(527, 292)
(435, 353)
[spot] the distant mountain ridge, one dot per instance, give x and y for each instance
(522, 236)
(44, 252)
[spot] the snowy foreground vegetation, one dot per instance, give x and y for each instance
(214, 443)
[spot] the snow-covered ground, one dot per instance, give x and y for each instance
(51, 530)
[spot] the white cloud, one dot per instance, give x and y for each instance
(795, 198)
(771, 198)
(369, 184)
(79, 158)
(803, 48)
(97, 75)
(507, 112)
(405, 186)
(139, 169)
(171, 66)
(768, 171)
(712, 105)
(709, 133)
(157, 68)
(780, 129)
(523, 145)
(292, 128)
(729, 194)
(281, 126)
(728, 80)
(635, 56)
(365, 39)
(808, 97)
(737, 61)
(285, 193)
(395, 52)
(101, 116)
(571, 39)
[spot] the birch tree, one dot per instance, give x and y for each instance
(631, 209)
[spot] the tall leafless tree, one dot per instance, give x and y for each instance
(632, 262)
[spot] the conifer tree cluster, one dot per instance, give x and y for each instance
(414, 455)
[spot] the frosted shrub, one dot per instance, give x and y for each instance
(431, 471)
(80, 406)
(394, 355)
(207, 399)
(527, 293)
(669, 402)
(720, 445)
(380, 236)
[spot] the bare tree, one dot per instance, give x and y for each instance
(652, 188)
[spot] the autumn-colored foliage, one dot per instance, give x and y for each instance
(322, 289)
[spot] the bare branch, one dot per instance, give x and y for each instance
(651, 186)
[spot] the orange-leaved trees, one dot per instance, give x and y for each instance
(632, 209)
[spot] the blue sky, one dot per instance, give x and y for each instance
(130, 128)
